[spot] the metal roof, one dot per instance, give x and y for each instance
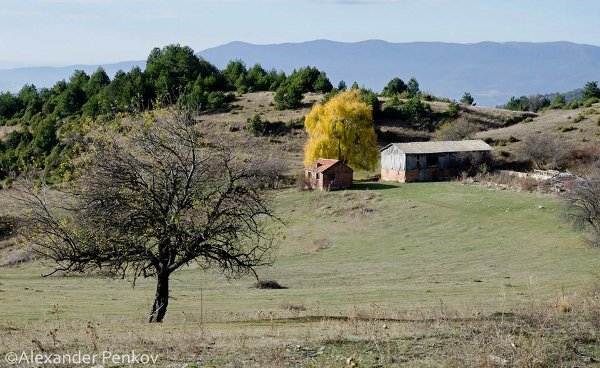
(441, 146)
(323, 164)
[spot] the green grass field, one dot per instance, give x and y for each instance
(391, 250)
(398, 246)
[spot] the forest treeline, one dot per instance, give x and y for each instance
(52, 120)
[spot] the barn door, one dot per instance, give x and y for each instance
(422, 168)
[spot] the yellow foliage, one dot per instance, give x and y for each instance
(342, 129)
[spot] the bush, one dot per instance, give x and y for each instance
(295, 123)
(259, 127)
(590, 101)
(453, 109)
(256, 125)
(566, 129)
(386, 135)
(288, 96)
(455, 130)
(544, 151)
(267, 284)
(579, 118)
(473, 163)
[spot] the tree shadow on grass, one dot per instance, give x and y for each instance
(371, 186)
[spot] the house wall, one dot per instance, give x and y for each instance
(400, 167)
(336, 177)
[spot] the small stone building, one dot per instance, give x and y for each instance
(426, 161)
(327, 174)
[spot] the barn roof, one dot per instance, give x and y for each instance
(323, 164)
(441, 146)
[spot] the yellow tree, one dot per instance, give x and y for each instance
(342, 129)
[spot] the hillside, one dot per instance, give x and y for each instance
(428, 274)
(578, 128)
(230, 125)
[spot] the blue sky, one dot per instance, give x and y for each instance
(65, 32)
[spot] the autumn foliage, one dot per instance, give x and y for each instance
(342, 129)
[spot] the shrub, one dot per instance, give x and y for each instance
(467, 99)
(513, 139)
(472, 163)
(566, 129)
(590, 101)
(453, 109)
(456, 130)
(256, 125)
(579, 118)
(527, 120)
(386, 135)
(267, 284)
(544, 151)
(288, 96)
(295, 123)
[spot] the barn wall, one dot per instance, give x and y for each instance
(414, 167)
(393, 175)
(392, 159)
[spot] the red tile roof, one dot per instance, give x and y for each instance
(322, 164)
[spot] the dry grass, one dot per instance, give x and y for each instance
(586, 132)
(298, 336)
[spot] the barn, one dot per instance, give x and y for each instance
(328, 174)
(425, 161)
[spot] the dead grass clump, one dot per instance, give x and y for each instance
(267, 284)
(318, 245)
(293, 307)
(361, 196)
(564, 306)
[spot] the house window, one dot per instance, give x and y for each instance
(308, 174)
(318, 176)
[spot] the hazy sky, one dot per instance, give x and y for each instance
(65, 32)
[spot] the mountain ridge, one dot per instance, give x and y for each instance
(491, 71)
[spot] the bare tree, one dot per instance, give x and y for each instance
(582, 206)
(456, 130)
(151, 201)
(544, 151)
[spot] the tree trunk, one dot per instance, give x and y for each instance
(161, 299)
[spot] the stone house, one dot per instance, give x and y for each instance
(328, 174)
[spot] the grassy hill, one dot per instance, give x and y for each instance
(401, 273)
(579, 128)
(422, 274)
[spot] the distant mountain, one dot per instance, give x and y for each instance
(492, 72)
(46, 76)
